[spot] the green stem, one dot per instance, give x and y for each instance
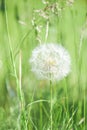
(47, 31)
(22, 104)
(40, 115)
(51, 118)
(84, 111)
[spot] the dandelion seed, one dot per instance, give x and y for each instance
(50, 61)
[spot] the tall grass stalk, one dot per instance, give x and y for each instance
(11, 51)
(18, 81)
(23, 120)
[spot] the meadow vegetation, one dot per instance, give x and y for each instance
(25, 100)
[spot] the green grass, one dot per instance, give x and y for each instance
(32, 111)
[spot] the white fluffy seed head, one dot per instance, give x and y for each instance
(50, 61)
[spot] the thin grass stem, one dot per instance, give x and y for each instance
(84, 111)
(51, 116)
(47, 31)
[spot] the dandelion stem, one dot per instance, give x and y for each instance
(51, 104)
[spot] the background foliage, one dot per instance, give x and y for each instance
(69, 95)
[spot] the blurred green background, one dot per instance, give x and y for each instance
(70, 94)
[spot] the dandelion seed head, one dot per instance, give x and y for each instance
(50, 61)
